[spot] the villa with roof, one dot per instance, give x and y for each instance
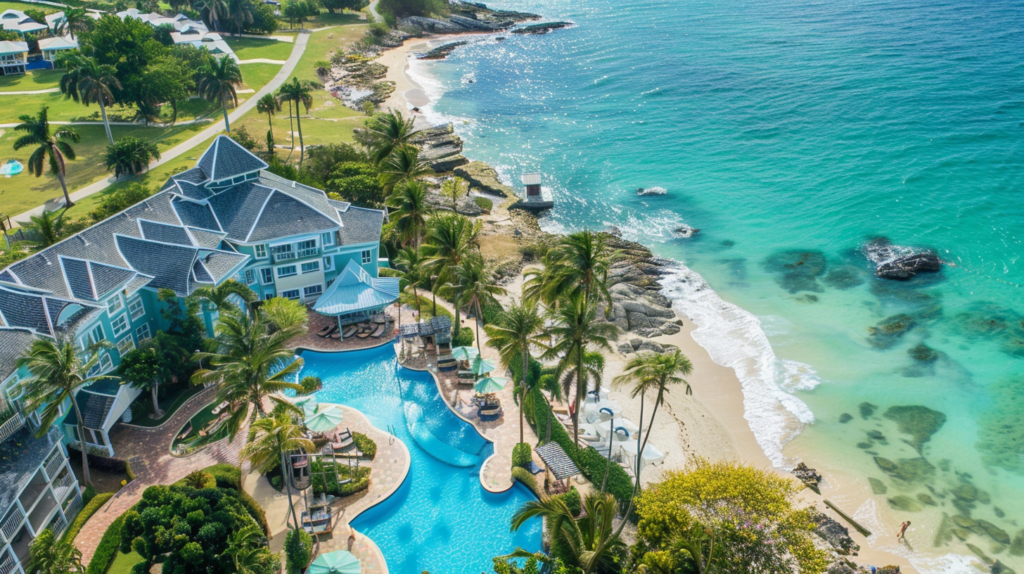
(226, 218)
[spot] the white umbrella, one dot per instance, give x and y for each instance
(651, 454)
(594, 396)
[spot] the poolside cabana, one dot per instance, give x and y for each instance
(559, 464)
(435, 331)
(355, 296)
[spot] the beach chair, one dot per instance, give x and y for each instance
(326, 331)
(342, 441)
(349, 331)
(380, 331)
(363, 334)
(535, 468)
(185, 431)
(336, 335)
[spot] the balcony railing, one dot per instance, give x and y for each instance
(71, 512)
(63, 485)
(10, 526)
(54, 464)
(11, 425)
(292, 255)
(8, 565)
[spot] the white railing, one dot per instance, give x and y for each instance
(58, 524)
(8, 565)
(10, 527)
(63, 485)
(71, 512)
(54, 464)
(11, 426)
(300, 254)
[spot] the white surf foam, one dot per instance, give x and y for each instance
(734, 338)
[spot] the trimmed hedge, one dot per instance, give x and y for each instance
(522, 455)
(198, 480)
(327, 482)
(365, 445)
(298, 550)
(107, 549)
(530, 481)
(90, 508)
(464, 338)
(484, 203)
(573, 501)
(229, 476)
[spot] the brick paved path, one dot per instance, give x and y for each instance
(148, 451)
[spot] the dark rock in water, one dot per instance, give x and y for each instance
(876, 435)
(923, 353)
(837, 535)
(866, 410)
(843, 278)
(926, 499)
(542, 28)
(877, 486)
(808, 476)
(965, 522)
(998, 512)
(904, 503)
(1017, 546)
(864, 445)
(917, 421)
(686, 231)
(888, 331)
(963, 506)
(981, 553)
(727, 243)
(907, 469)
(442, 52)
(994, 532)
(909, 266)
(966, 492)
(1000, 568)
(797, 270)
(845, 418)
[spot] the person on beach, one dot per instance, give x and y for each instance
(903, 531)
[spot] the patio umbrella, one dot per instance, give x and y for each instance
(337, 562)
(481, 366)
(465, 353)
(489, 385)
(307, 403)
(651, 454)
(324, 419)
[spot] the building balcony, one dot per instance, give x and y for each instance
(295, 255)
(14, 519)
(8, 565)
(13, 423)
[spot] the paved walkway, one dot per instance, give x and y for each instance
(132, 124)
(262, 61)
(282, 75)
(31, 93)
(148, 451)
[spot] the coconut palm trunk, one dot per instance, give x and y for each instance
(224, 108)
(106, 123)
(298, 124)
(522, 392)
(81, 441)
(60, 177)
(479, 318)
(286, 475)
(156, 404)
(576, 399)
(291, 125)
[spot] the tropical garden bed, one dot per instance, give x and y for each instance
(200, 432)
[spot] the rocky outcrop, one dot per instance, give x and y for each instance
(441, 148)
(483, 178)
(467, 17)
(441, 52)
(542, 28)
(899, 261)
(837, 535)
(430, 25)
(636, 345)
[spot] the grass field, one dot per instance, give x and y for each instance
(253, 48)
(123, 563)
(27, 6)
(256, 76)
(327, 19)
(31, 81)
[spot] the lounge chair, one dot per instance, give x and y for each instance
(380, 331)
(342, 441)
(534, 468)
(300, 462)
(326, 331)
(185, 431)
(490, 412)
(335, 335)
(217, 409)
(349, 331)
(363, 334)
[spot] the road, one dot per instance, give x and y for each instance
(282, 75)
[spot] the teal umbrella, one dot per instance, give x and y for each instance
(465, 353)
(324, 419)
(337, 562)
(490, 385)
(307, 403)
(481, 366)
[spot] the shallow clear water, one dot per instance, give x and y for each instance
(808, 126)
(441, 519)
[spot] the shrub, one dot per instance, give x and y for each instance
(277, 482)
(298, 549)
(464, 338)
(484, 203)
(226, 475)
(522, 455)
(365, 445)
(889, 570)
(327, 482)
(491, 311)
(255, 511)
(119, 200)
(310, 385)
(95, 503)
(573, 501)
(528, 480)
(88, 494)
(107, 549)
(198, 480)
(244, 138)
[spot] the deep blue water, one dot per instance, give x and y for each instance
(441, 519)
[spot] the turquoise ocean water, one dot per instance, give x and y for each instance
(791, 133)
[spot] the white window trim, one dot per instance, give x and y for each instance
(366, 256)
(261, 247)
(249, 272)
(263, 278)
(114, 305)
(126, 345)
(142, 307)
(105, 363)
(140, 329)
(327, 238)
(328, 262)
(317, 269)
(126, 323)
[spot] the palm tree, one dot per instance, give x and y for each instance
(217, 82)
(48, 554)
(518, 329)
(476, 283)
(213, 11)
(131, 156)
(56, 147)
(240, 13)
(247, 551)
(575, 328)
(411, 262)
(387, 132)
(58, 372)
(220, 297)
(75, 20)
(89, 82)
(245, 365)
(270, 441)
(404, 165)
(589, 542)
(580, 259)
(48, 226)
(269, 105)
(409, 202)
(450, 238)
(299, 93)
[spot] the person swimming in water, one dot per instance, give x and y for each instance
(903, 531)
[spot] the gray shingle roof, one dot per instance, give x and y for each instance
(7, 276)
(192, 190)
(195, 175)
(208, 239)
(23, 310)
(165, 233)
(238, 207)
(202, 275)
(360, 225)
(225, 159)
(92, 281)
(95, 408)
(20, 457)
(106, 278)
(13, 343)
(196, 214)
(221, 264)
(77, 273)
(284, 215)
(311, 196)
(168, 264)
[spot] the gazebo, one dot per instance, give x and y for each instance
(558, 463)
(356, 296)
(436, 330)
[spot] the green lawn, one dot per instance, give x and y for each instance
(123, 563)
(31, 81)
(254, 48)
(255, 76)
(143, 406)
(13, 107)
(27, 6)
(327, 19)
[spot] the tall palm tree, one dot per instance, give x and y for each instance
(48, 227)
(90, 82)
(410, 210)
(580, 259)
(245, 365)
(75, 21)
(387, 132)
(216, 84)
(575, 328)
(130, 156)
(450, 238)
(247, 551)
(220, 297)
(299, 92)
(213, 11)
(56, 147)
(240, 13)
(269, 105)
(404, 165)
(518, 329)
(270, 441)
(590, 542)
(411, 262)
(58, 372)
(476, 284)
(48, 554)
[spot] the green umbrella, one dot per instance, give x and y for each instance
(490, 385)
(481, 366)
(307, 403)
(324, 420)
(465, 353)
(337, 562)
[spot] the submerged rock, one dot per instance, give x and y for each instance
(926, 499)
(1001, 428)
(542, 28)
(898, 261)
(866, 410)
(843, 278)
(918, 421)
(845, 418)
(877, 486)
(797, 270)
(907, 469)
(923, 353)
(888, 331)
(994, 532)
(904, 503)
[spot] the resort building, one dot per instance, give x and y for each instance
(12, 57)
(38, 490)
(16, 21)
(52, 46)
(227, 218)
(186, 31)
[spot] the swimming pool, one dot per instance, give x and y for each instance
(441, 519)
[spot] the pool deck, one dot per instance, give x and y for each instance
(316, 321)
(388, 470)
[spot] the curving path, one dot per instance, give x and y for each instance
(282, 75)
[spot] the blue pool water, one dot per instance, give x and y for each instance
(441, 520)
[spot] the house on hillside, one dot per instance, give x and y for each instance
(226, 218)
(51, 47)
(12, 57)
(186, 31)
(18, 22)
